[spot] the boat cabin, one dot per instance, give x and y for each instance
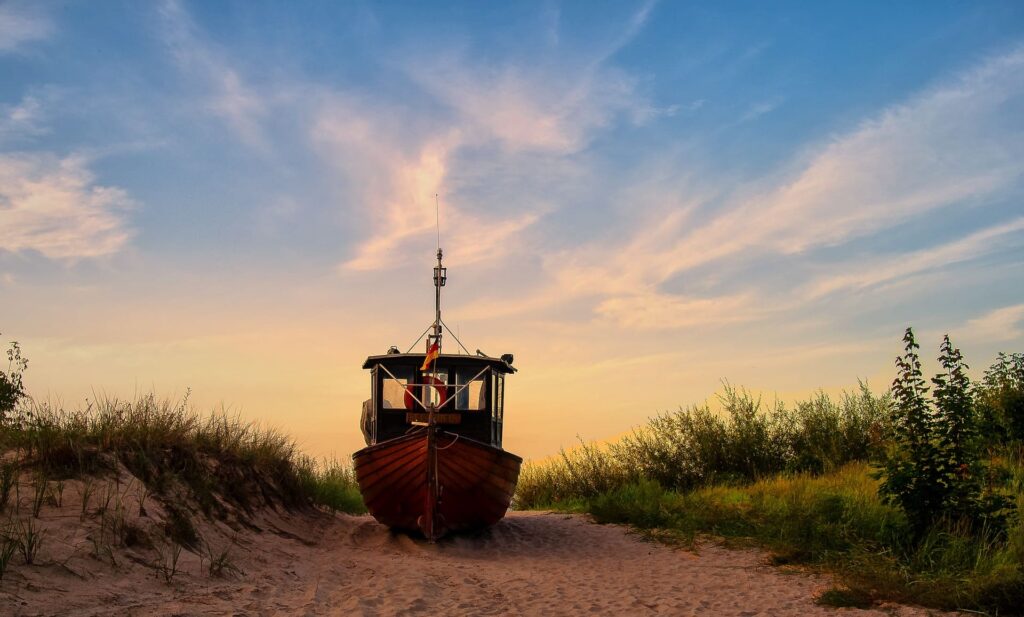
(465, 392)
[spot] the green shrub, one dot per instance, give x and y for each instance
(932, 468)
(696, 447)
(1000, 400)
(332, 485)
(12, 387)
(644, 504)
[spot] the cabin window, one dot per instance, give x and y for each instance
(474, 396)
(393, 394)
(499, 409)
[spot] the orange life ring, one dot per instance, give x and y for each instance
(429, 380)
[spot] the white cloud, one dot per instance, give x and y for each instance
(547, 106)
(759, 109)
(229, 97)
(396, 167)
(527, 109)
(943, 147)
(1003, 324)
(395, 173)
(22, 119)
(866, 275)
(53, 206)
(657, 311)
(948, 145)
(20, 24)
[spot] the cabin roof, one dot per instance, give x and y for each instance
(444, 360)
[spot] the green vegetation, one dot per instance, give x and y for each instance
(932, 466)
(12, 387)
(219, 460)
(906, 498)
(192, 465)
(696, 447)
(332, 485)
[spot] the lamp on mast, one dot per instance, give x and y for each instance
(440, 278)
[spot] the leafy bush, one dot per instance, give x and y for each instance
(696, 447)
(932, 468)
(332, 485)
(1000, 400)
(12, 387)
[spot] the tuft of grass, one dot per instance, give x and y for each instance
(88, 486)
(57, 494)
(220, 564)
(168, 566)
(39, 486)
(8, 546)
(8, 478)
(29, 540)
(331, 485)
(841, 597)
(180, 528)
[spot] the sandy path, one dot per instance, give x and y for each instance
(529, 564)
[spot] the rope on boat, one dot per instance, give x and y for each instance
(399, 380)
(454, 337)
(449, 445)
(417, 341)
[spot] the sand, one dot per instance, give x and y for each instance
(532, 563)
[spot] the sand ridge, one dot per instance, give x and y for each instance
(531, 563)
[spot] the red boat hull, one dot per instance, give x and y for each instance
(435, 482)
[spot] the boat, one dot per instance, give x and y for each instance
(433, 462)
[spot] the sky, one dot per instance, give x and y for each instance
(639, 200)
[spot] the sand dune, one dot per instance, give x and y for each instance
(320, 564)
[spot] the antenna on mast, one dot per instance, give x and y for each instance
(440, 277)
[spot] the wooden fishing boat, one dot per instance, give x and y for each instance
(433, 428)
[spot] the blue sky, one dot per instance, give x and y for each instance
(638, 199)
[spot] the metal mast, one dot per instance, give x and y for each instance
(433, 492)
(440, 276)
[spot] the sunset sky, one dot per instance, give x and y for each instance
(638, 200)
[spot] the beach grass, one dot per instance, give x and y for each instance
(219, 457)
(798, 482)
(837, 522)
(696, 446)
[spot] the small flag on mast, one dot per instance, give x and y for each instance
(432, 354)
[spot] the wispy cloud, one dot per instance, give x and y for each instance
(660, 311)
(54, 206)
(22, 23)
(871, 274)
(495, 110)
(22, 119)
(943, 147)
(759, 109)
(228, 96)
(394, 175)
(1002, 324)
(946, 146)
(527, 109)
